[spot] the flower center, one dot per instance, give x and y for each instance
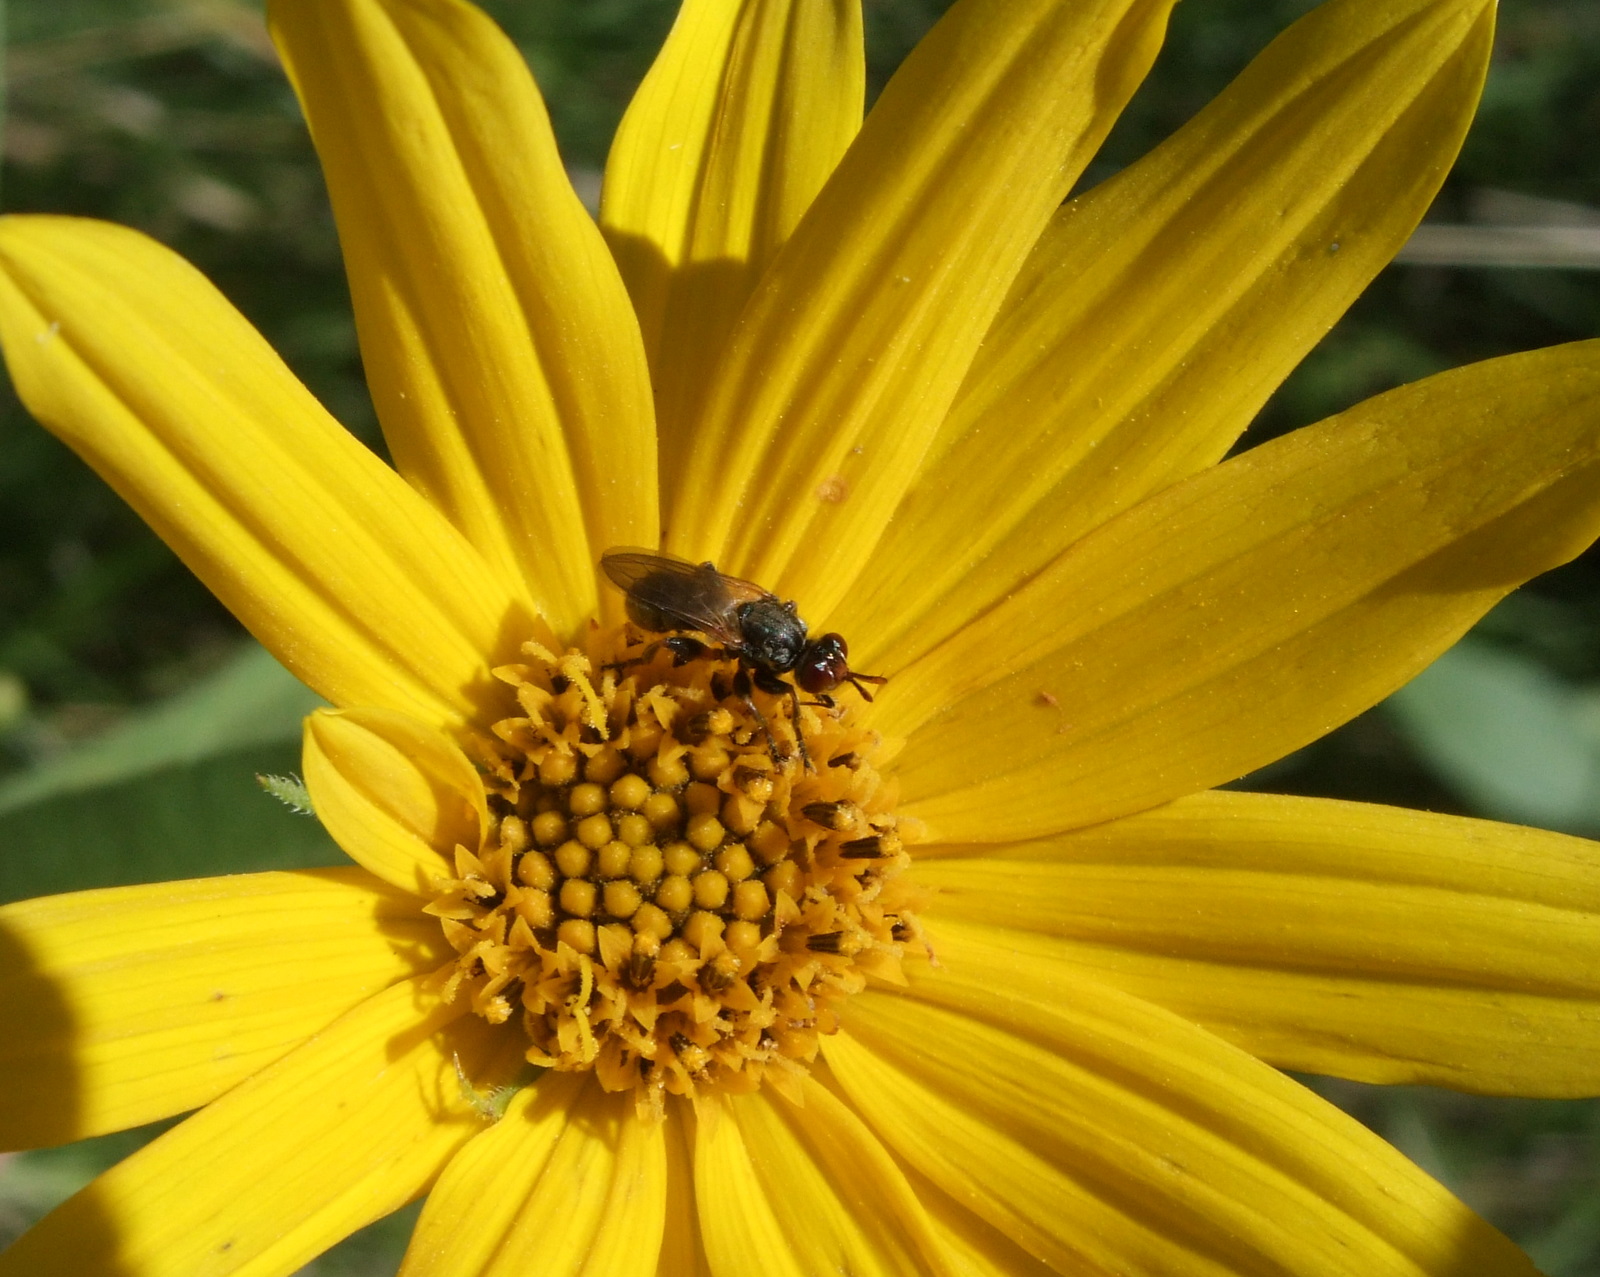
(667, 895)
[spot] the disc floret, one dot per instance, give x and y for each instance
(665, 895)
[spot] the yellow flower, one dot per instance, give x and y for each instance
(885, 373)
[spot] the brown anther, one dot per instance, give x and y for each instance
(639, 971)
(755, 785)
(694, 1057)
(718, 975)
(839, 816)
(826, 942)
(706, 724)
(862, 848)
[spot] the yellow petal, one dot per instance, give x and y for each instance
(144, 369)
(1249, 609)
(683, 1253)
(853, 346)
(397, 796)
(744, 114)
(1161, 309)
(1107, 1136)
(977, 1246)
(503, 355)
(129, 1004)
(1363, 941)
(811, 1185)
(738, 1224)
(340, 1132)
(569, 1182)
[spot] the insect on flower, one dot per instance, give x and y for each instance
(762, 632)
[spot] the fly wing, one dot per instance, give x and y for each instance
(668, 593)
(628, 566)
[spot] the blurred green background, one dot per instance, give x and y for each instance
(134, 714)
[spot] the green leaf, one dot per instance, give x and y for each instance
(1514, 739)
(169, 793)
(250, 701)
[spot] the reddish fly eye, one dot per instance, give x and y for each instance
(823, 665)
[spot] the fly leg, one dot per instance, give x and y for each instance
(741, 689)
(775, 686)
(683, 648)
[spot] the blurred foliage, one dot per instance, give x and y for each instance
(134, 716)
(127, 806)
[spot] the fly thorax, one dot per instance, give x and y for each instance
(773, 636)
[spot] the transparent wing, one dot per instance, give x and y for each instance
(627, 566)
(666, 593)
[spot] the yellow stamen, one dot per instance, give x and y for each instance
(668, 896)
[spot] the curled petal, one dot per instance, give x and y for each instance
(398, 797)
